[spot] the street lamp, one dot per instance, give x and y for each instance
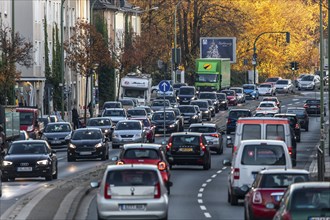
(175, 40)
(62, 58)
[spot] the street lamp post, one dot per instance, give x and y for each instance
(175, 40)
(62, 59)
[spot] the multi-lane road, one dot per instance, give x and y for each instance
(196, 193)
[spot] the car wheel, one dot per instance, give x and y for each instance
(233, 200)
(49, 177)
(55, 175)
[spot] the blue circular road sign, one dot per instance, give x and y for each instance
(164, 86)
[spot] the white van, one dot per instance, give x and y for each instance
(265, 128)
(251, 157)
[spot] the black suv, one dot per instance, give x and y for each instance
(188, 148)
(223, 102)
(186, 94)
(213, 97)
(301, 114)
(171, 122)
(294, 123)
(204, 108)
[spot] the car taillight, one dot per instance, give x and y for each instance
(236, 174)
(202, 146)
(107, 191)
(257, 198)
(290, 150)
(161, 165)
(169, 144)
(120, 162)
(215, 135)
(286, 216)
(157, 191)
(235, 149)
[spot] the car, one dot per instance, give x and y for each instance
(284, 86)
(233, 115)
(177, 86)
(294, 123)
(204, 108)
(268, 106)
(149, 128)
(297, 80)
(127, 103)
(188, 148)
(170, 121)
(137, 112)
(116, 114)
(56, 133)
(23, 135)
(309, 82)
(45, 119)
(178, 116)
(274, 99)
(211, 107)
(146, 154)
(213, 97)
(159, 104)
(251, 157)
(186, 94)
(267, 190)
(147, 108)
(128, 131)
(264, 114)
(131, 191)
(266, 89)
(223, 101)
(112, 104)
(190, 114)
(212, 133)
(54, 118)
(104, 123)
(313, 106)
(87, 143)
(240, 94)
(273, 80)
(29, 158)
(302, 116)
(308, 200)
(172, 100)
(231, 97)
(170, 92)
(251, 91)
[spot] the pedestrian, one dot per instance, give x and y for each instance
(75, 118)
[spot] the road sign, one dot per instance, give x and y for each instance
(164, 86)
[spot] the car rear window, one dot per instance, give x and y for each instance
(136, 112)
(128, 126)
(112, 105)
(296, 111)
(282, 180)
(185, 140)
(263, 155)
(203, 129)
(200, 104)
(208, 96)
(160, 116)
(141, 154)
(114, 113)
(238, 114)
(313, 101)
(310, 199)
(251, 132)
(265, 86)
(187, 109)
(132, 178)
(275, 132)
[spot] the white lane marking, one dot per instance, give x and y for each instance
(295, 100)
(209, 180)
(207, 215)
(203, 207)
(201, 190)
(199, 194)
(224, 168)
(219, 171)
(213, 176)
(204, 185)
(290, 104)
(200, 201)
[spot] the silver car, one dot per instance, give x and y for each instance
(116, 114)
(131, 192)
(128, 131)
(284, 86)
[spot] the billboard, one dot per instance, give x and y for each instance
(218, 47)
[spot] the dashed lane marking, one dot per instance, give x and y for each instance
(203, 207)
(219, 171)
(204, 185)
(200, 201)
(201, 190)
(207, 215)
(199, 195)
(213, 176)
(209, 180)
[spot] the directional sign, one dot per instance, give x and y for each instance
(164, 86)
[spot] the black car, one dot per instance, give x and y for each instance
(313, 106)
(294, 123)
(104, 123)
(188, 148)
(301, 114)
(177, 86)
(190, 114)
(233, 116)
(88, 143)
(178, 116)
(213, 97)
(223, 102)
(211, 107)
(173, 101)
(56, 132)
(170, 120)
(186, 94)
(29, 158)
(204, 108)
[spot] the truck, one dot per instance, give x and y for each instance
(136, 86)
(212, 74)
(29, 121)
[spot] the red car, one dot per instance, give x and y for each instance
(267, 190)
(231, 97)
(141, 153)
(150, 129)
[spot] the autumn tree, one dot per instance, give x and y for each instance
(14, 50)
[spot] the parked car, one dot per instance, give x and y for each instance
(309, 82)
(146, 154)
(251, 157)
(186, 94)
(231, 97)
(294, 123)
(29, 158)
(233, 116)
(213, 97)
(169, 119)
(222, 97)
(240, 95)
(284, 86)
(149, 128)
(104, 123)
(87, 143)
(116, 114)
(267, 190)
(190, 114)
(313, 106)
(305, 201)
(56, 133)
(301, 114)
(188, 148)
(268, 106)
(131, 192)
(212, 133)
(251, 91)
(128, 131)
(266, 89)
(204, 108)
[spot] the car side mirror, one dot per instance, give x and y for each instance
(226, 163)
(95, 184)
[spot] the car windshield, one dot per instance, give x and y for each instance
(129, 125)
(248, 87)
(131, 177)
(185, 140)
(187, 109)
(86, 135)
(282, 82)
(208, 96)
(127, 102)
(171, 99)
(265, 86)
(114, 113)
(133, 112)
(207, 78)
(221, 96)
(307, 78)
(27, 148)
(178, 85)
(263, 155)
(270, 99)
(112, 105)
(296, 111)
(160, 116)
(282, 180)
(203, 129)
(50, 128)
(98, 122)
(160, 103)
(141, 154)
(237, 90)
(310, 199)
(239, 114)
(229, 93)
(200, 104)
(186, 91)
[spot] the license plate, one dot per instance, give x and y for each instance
(24, 169)
(126, 207)
(127, 140)
(85, 153)
(56, 142)
(186, 149)
(313, 106)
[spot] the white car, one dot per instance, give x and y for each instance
(268, 107)
(266, 89)
(309, 82)
(131, 191)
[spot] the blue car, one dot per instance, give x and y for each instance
(251, 91)
(233, 116)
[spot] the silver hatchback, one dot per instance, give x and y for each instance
(131, 192)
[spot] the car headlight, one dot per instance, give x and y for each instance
(68, 137)
(106, 131)
(43, 162)
(206, 112)
(172, 126)
(98, 145)
(6, 163)
(137, 135)
(223, 102)
(72, 146)
(194, 117)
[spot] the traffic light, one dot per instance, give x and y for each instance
(294, 65)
